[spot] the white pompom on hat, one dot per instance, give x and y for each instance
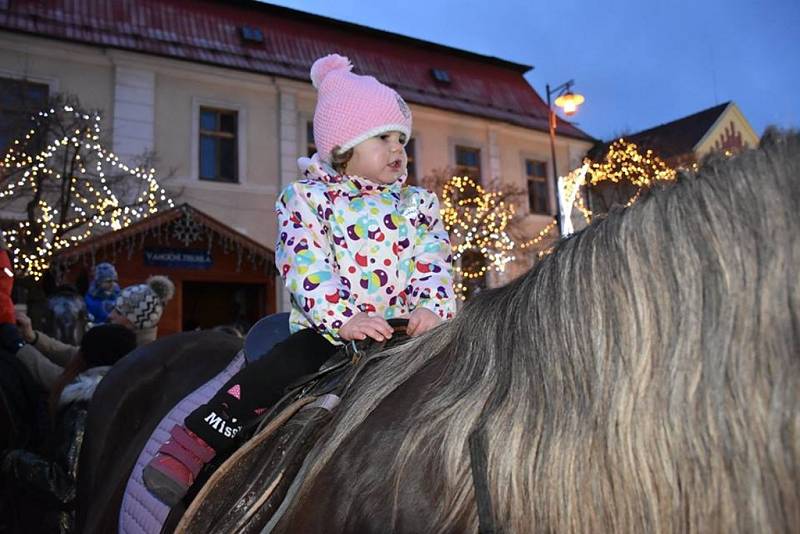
(352, 108)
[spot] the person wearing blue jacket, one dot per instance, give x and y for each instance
(103, 293)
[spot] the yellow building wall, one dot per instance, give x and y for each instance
(67, 68)
(180, 92)
(731, 132)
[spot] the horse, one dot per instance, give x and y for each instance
(66, 317)
(642, 377)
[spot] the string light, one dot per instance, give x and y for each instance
(624, 162)
(476, 220)
(67, 201)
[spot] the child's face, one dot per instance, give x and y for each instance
(107, 285)
(380, 159)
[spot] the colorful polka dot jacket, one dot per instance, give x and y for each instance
(347, 245)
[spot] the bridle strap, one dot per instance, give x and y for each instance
(480, 481)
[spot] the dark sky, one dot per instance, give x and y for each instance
(639, 64)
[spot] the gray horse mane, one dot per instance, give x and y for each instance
(643, 377)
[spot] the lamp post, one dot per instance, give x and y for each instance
(569, 102)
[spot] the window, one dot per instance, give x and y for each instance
(251, 34)
(19, 99)
(411, 152)
(218, 145)
(468, 161)
(441, 76)
(536, 172)
(311, 148)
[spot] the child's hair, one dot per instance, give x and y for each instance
(339, 161)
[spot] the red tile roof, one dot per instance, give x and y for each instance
(208, 31)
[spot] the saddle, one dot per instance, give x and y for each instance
(242, 492)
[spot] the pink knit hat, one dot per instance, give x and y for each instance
(352, 108)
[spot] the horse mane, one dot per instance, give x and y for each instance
(643, 377)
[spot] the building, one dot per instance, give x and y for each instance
(220, 91)
(685, 141)
(681, 143)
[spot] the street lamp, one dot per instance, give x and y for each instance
(569, 102)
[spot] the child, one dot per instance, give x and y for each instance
(140, 307)
(103, 293)
(355, 247)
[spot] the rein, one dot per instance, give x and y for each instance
(478, 463)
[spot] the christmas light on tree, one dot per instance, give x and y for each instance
(624, 163)
(477, 221)
(71, 189)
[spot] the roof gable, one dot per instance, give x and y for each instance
(210, 32)
(679, 137)
(156, 224)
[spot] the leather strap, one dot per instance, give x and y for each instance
(480, 482)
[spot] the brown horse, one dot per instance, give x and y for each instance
(644, 377)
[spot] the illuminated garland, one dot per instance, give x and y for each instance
(93, 207)
(476, 220)
(624, 162)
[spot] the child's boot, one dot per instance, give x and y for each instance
(174, 468)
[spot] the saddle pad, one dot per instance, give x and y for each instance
(141, 512)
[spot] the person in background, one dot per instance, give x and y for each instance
(138, 308)
(6, 283)
(9, 338)
(51, 478)
(103, 293)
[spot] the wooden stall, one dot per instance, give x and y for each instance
(221, 276)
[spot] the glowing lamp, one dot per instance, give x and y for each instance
(569, 102)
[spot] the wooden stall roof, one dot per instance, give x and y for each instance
(97, 242)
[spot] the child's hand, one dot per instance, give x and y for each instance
(420, 321)
(362, 325)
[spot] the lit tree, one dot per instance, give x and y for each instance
(478, 222)
(68, 186)
(626, 171)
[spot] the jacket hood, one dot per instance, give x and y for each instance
(99, 293)
(314, 168)
(84, 385)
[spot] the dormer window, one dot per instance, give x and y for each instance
(441, 76)
(252, 35)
